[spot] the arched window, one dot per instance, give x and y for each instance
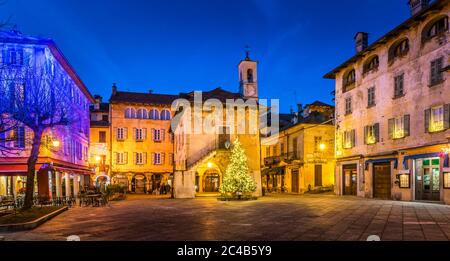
(128, 113)
(154, 114)
(399, 49)
(144, 114)
(249, 75)
(140, 113)
(348, 80)
(371, 64)
(165, 115)
(434, 28)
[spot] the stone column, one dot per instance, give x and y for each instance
(68, 189)
(58, 184)
(76, 185)
(13, 185)
(82, 182)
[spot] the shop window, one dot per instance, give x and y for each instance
(447, 179)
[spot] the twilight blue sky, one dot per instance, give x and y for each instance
(182, 45)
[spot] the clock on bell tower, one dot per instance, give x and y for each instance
(248, 78)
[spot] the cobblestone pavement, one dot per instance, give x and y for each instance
(287, 217)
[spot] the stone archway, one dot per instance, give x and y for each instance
(211, 181)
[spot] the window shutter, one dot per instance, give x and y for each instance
(353, 138)
(125, 158)
(391, 128)
(365, 134)
(376, 130)
(163, 158)
(170, 158)
(134, 158)
(163, 134)
(144, 133)
(125, 133)
(135, 134)
(144, 157)
(406, 124)
(446, 116)
(153, 158)
(427, 120)
(116, 133)
(433, 72)
(153, 134)
(115, 158)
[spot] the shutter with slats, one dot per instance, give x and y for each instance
(153, 158)
(153, 134)
(353, 138)
(116, 133)
(134, 158)
(406, 124)
(427, 120)
(135, 134)
(144, 133)
(391, 128)
(125, 133)
(366, 134)
(115, 158)
(446, 116)
(144, 156)
(163, 134)
(163, 157)
(376, 130)
(125, 158)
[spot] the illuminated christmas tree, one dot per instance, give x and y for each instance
(236, 180)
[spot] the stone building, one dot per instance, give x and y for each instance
(62, 168)
(141, 144)
(100, 142)
(392, 111)
(202, 151)
(300, 157)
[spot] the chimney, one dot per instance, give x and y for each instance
(361, 41)
(114, 89)
(418, 5)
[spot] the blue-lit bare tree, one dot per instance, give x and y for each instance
(34, 96)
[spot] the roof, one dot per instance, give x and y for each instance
(104, 107)
(319, 103)
(438, 4)
(139, 97)
(18, 38)
(217, 93)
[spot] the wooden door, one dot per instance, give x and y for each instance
(382, 181)
(295, 179)
(318, 175)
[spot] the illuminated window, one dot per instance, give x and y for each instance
(437, 119)
(349, 139)
(447, 180)
(371, 133)
(404, 181)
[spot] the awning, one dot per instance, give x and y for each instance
(383, 160)
(15, 169)
(274, 171)
(425, 155)
(74, 170)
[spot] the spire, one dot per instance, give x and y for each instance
(247, 53)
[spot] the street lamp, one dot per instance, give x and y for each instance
(97, 158)
(209, 165)
(55, 143)
(322, 146)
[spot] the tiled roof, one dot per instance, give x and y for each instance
(146, 98)
(217, 93)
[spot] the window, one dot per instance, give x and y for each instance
(349, 79)
(275, 150)
(282, 148)
(372, 64)
(371, 97)
(349, 139)
(19, 137)
(130, 113)
(436, 28)
(435, 118)
(13, 56)
(157, 135)
(154, 114)
(139, 134)
(436, 71)
(157, 158)
(121, 133)
(102, 136)
(398, 86)
(250, 75)
(317, 142)
(398, 127)
(372, 134)
(165, 115)
(85, 154)
(348, 105)
(139, 158)
(142, 114)
(105, 118)
(399, 49)
(121, 157)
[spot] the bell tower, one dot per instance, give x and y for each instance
(248, 77)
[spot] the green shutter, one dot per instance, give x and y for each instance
(376, 130)
(446, 116)
(406, 124)
(365, 134)
(427, 120)
(353, 138)
(391, 128)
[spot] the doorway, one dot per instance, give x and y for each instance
(350, 179)
(318, 175)
(428, 181)
(382, 180)
(295, 178)
(211, 182)
(139, 183)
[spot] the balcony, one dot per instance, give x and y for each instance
(272, 160)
